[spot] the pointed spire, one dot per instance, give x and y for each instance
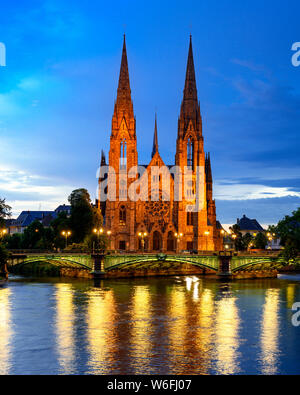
(123, 102)
(190, 89)
(190, 107)
(208, 170)
(155, 139)
(103, 158)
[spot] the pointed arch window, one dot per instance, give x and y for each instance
(122, 215)
(123, 154)
(190, 219)
(190, 152)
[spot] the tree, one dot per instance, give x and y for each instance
(60, 224)
(84, 217)
(238, 241)
(33, 235)
(260, 241)
(288, 230)
(3, 256)
(289, 254)
(5, 212)
(13, 242)
(247, 240)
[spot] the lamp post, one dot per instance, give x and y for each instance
(206, 234)
(270, 239)
(3, 232)
(234, 237)
(142, 236)
(98, 232)
(66, 234)
(109, 233)
(178, 236)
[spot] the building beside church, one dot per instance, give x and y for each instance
(165, 223)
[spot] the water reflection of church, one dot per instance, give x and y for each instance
(160, 220)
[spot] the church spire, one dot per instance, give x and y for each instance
(103, 158)
(124, 102)
(190, 109)
(208, 169)
(155, 140)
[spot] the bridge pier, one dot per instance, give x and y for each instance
(225, 265)
(99, 268)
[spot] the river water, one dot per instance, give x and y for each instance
(176, 325)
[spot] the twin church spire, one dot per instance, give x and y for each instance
(190, 108)
(124, 105)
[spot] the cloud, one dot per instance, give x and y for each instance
(235, 191)
(25, 191)
(248, 64)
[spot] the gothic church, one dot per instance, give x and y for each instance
(161, 225)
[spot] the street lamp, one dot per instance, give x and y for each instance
(234, 237)
(270, 240)
(142, 236)
(178, 236)
(3, 232)
(206, 234)
(109, 233)
(98, 232)
(66, 234)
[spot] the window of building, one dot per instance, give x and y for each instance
(190, 153)
(190, 219)
(123, 154)
(123, 215)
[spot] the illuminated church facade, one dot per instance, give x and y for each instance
(162, 224)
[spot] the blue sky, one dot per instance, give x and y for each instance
(58, 89)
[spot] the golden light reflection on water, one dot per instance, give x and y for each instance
(270, 332)
(186, 325)
(5, 331)
(65, 316)
(227, 336)
(141, 329)
(206, 317)
(290, 295)
(177, 315)
(100, 331)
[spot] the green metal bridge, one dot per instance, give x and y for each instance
(209, 263)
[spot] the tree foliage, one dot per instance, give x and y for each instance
(288, 230)
(3, 256)
(260, 241)
(5, 212)
(84, 217)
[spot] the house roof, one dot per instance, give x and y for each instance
(62, 207)
(26, 218)
(249, 224)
